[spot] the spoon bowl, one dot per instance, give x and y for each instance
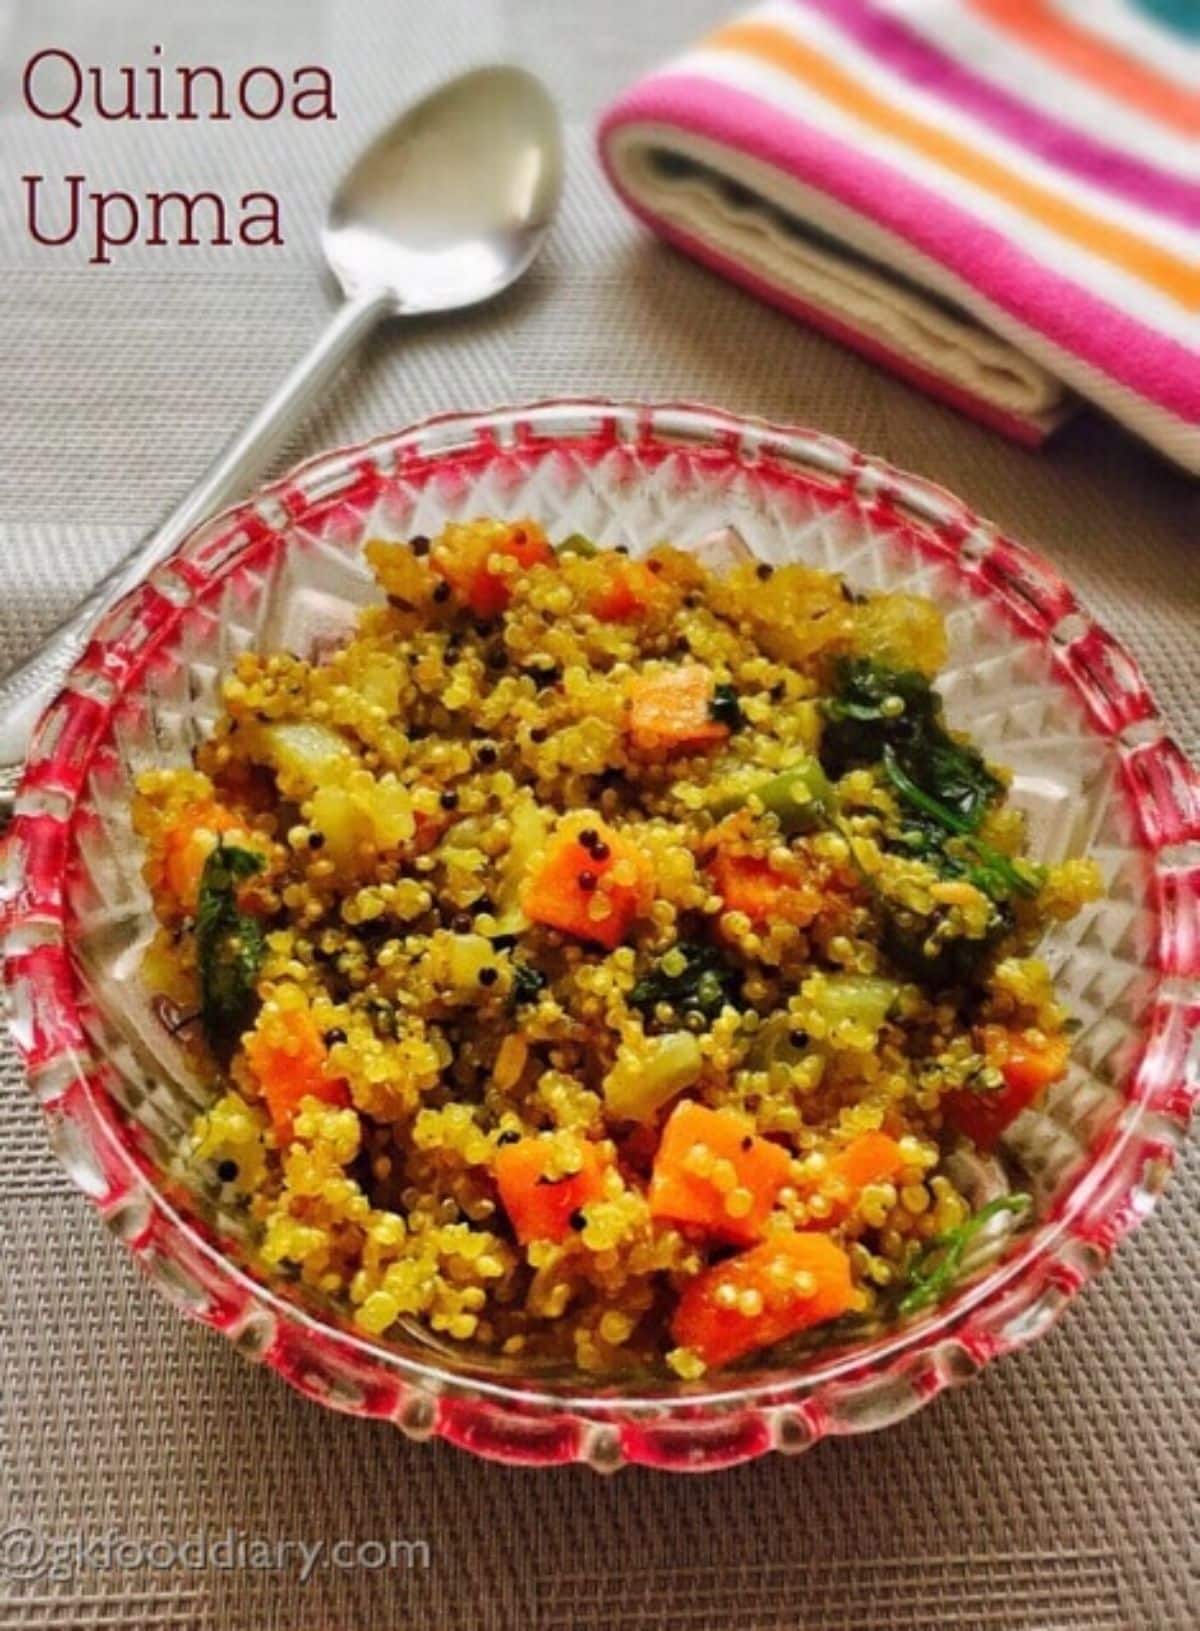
(444, 210)
(451, 203)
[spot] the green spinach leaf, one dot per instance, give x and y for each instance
(229, 947)
(703, 985)
(875, 708)
(861, 717)
(996, 874)
(893, 717)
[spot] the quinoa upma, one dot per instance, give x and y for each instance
(602, 961)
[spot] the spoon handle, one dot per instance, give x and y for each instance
(28, 688)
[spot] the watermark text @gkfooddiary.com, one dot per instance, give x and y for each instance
(27, 1553)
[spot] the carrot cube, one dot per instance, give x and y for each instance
(188, 844)
(750, 884)
(871, 1158)
(465, 550)
(628, 588)
(670, 711)
(541, 1208)
(1027, 1067)
(287, 1054)
(787, 1284)
(712, 1171)
(591, 882)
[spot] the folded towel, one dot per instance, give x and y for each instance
(999, 199)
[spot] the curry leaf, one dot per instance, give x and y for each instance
(937, 1267)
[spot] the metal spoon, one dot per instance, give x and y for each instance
(447, 208)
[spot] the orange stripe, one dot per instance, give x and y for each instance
(1092, 58)
(1173, 276)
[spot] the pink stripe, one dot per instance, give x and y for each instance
(932, 70)
(1154, 366)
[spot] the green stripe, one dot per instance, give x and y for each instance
(1181, 15)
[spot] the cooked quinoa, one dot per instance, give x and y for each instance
(603, 961)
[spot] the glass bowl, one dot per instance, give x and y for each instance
(1040, 686)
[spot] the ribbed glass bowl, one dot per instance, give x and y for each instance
(1040, 687)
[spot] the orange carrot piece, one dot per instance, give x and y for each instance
(744, 1171)
(628, 589)
(750, 884)
(591, 882)
(540, 1208)
(287, 1055)
(462, 554)
(747, 883)
(871, 1158)
(670, 711)
(1028, 1069)
(185, 848)
(761, 1296)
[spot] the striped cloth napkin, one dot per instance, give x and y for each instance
(998, 199)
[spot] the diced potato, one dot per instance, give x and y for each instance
(359, 809)
(465, 866)
(467, 955)
(344, 823)
(466, 969)
(901, 631)
(391, 811)
(802, 611)
(300, 750)
(530, 831)
(862, 999)
(638, 1086)
(380, 683)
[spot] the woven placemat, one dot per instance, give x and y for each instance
(1057, 1493)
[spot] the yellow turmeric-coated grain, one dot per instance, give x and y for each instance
(476, 936)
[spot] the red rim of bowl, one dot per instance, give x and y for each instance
(678, 1427)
